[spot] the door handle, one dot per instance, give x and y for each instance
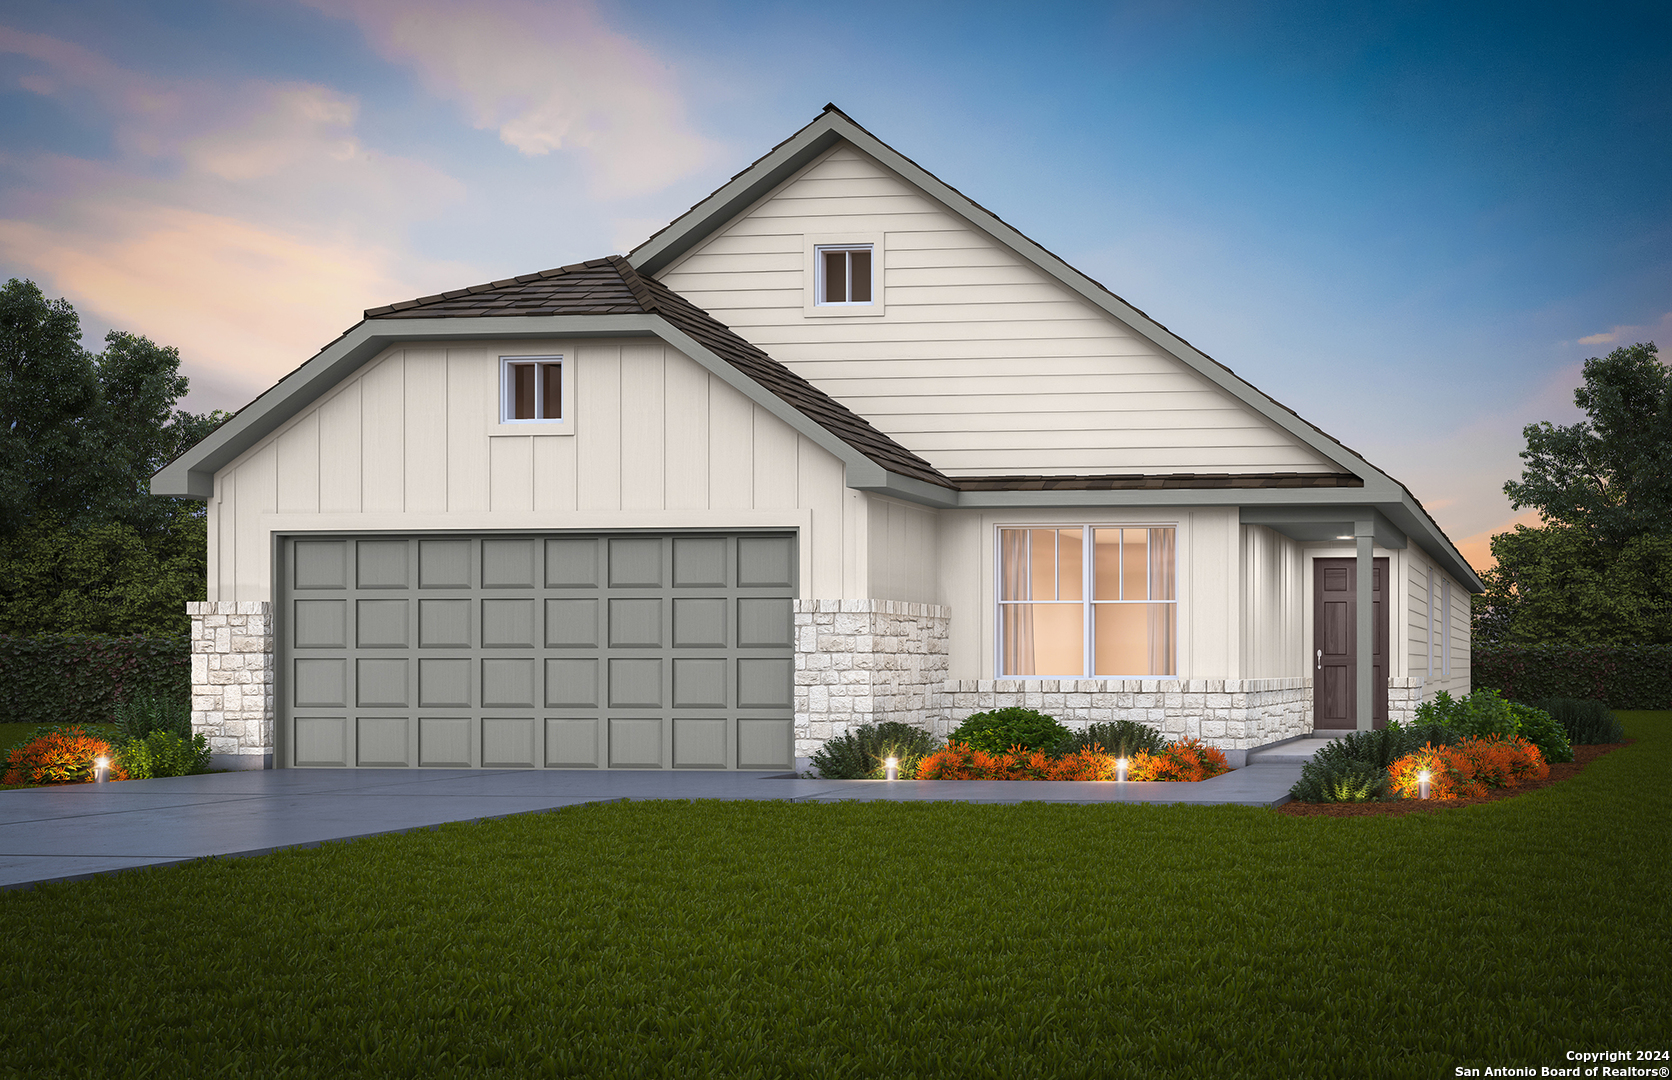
(1320, 659)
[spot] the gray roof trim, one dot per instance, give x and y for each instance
(757, 181)
(192, 474)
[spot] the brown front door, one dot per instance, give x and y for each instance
(1334, 644)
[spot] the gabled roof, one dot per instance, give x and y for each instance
(833, 126)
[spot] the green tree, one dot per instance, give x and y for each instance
(1612, 473)
(84, 546)
(1599, 571)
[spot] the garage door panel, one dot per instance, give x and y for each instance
(572, 743)
(508, 564)
(572, 684)
(508, 624)
(444, 742)
(319, 624)
(321, 740)
(320, 564)
(636, 562)
(444, 564)
(635, 683)
(699, 623)
(381, 624)
(381, 564)
(764, 684)
(636, 624)
(764, 624)
(508, 683)
(321, 682)
(444, 683)
(572, 563)
(699, 742)
(572, 624)
(444, 624)
(635, 742)
(508, 742)
(381, 683)
(765, 562)
(765, 743)
(633, 650)
(699, 683)
(381, 741)
(699, 562)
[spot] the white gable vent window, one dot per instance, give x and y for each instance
(1087, 601)
(844, 274)
(531, 389)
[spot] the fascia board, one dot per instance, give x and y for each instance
(869, 476)
(192, 474)
(736, 196)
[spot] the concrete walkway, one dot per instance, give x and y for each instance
(65, 833)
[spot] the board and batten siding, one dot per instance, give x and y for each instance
(1452, 626)
(980, 362)
(411, 441)
(1273, 620)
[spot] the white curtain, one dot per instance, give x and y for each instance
(1016, 583)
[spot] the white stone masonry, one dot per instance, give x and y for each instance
(864, 662)
(232, 680)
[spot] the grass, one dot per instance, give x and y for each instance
(770, 939)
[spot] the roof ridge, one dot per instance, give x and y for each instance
(502, 283)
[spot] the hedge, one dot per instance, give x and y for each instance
(1624, 676)
(79, 678)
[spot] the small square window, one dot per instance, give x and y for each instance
(531, 389)
(844, 275)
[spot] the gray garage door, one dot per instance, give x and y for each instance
(557, 651)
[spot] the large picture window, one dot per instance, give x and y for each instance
(1087, 600)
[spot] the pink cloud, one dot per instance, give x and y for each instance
(547, 77)
(247, 224)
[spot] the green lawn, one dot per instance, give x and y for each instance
(750, 939)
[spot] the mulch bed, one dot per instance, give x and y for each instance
(1582, 756)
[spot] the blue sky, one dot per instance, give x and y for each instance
(1410, 224)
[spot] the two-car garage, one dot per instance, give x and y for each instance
(558, 650)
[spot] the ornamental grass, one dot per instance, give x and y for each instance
(64, 756)
(1468, 768)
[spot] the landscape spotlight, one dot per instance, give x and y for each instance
(101, 770)
(1120, 768)
(1422, 784)
(893, 765)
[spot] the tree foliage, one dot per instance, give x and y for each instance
(1612, 473)
(1599, 571)
(84, 546)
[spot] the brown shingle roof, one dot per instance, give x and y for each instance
(610, 286)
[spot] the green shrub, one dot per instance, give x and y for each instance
(1355, 768)
(859, 755)
(163, 753)
(1620, 676)
(999, 730)
(1122, 738)
(80, 678)
(1543, 731)
(1482, 713)
(1586, 722)
(146, 713)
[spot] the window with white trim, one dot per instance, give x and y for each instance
(844, 274)
(1087, 600)
(530, 389)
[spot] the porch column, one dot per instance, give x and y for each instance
(1364, 642)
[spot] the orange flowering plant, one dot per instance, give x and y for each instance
(1187, 760)
(1467, 769)
(64, 756)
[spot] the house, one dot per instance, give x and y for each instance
(838, 445)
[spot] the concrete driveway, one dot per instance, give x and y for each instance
(64, 833)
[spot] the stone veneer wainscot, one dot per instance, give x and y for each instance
(232, 681)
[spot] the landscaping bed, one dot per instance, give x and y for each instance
(1582, 756)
